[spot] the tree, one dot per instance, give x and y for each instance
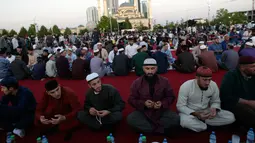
(31, 30)
(12, 33)
(42, 32)
(238, 18)
(157, 27)
(141, 27)
(56, 30)
(104, 24)
(127, 24)
(67, 31)
(49, 32)
(23, 32)
(83, 31)
(4, 32)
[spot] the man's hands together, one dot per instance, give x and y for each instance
(102, 113)
(150, 104)
(58, 119)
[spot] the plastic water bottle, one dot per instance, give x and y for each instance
(250, 136)
(44, 139)
(39, 140)
(229, 141)
(235, 139)
(112, 138)
(144, 139)
(140, 139)
(165, 140)
(8, 137)
(108, 138)
(13, 139)
(212, 138)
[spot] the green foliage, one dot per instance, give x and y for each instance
(49, 32)
(42, 32)
(141, 27)
(23, 32)
(12, 33)
(105, 24)
(157, 27)
(4, 32)
(67, 31)
(170, 25)
(32, 30)
(56, 30)
(127, 24)
(226, 18)
(83, 31)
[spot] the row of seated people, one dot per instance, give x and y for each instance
(200, 103)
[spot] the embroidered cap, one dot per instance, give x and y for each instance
(91, 77)
(150, 62)
(204, 72)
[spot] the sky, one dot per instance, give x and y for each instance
(71, 13)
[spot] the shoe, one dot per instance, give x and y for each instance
(19, 132)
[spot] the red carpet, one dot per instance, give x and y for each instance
(124, 133)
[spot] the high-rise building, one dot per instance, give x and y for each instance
(144, 9)
(113, 4)
(92, 14)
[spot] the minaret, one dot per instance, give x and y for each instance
(150, 13)
(105, 8)
(136, 4)
(99, 9)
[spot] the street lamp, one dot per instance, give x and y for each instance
(110, 15)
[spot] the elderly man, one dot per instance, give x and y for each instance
(151, 96)
(20, 115)
(196, 51)
(199, 103)
(103, 54)
(103, 105)
(57, 109)
(237, 92)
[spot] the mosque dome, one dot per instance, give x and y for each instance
(126, 4)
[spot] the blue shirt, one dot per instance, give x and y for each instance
(23, 102)
(4, 68)
(217, 49)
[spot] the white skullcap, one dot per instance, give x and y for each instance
(121, 49)
(249, 44)
(201, 42)
(91, 77)
(96, 50)
(202, 47)
(99, 43)
(85, 48)
(150, 62)
(61, 51)
(49, 56)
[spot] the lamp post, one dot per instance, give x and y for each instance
(110, 16)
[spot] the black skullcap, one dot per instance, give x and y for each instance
(50, 85)
(9, 82)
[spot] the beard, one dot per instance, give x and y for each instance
(150, 77)
(203, 88)
(249, 73)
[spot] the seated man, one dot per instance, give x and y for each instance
(121, 64)
(20, 115)
(151, 96)
(137, 60)
(103, 105)
(237, 92)
(57, 110)
(199, 103)
(207, 59)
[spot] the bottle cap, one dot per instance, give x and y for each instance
(38, 139)
(110, 134)
(12, 136)
(144, 138)
(108, 138)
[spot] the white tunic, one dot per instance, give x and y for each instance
(130, 51)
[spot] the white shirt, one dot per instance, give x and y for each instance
(15, 43)
(130, 51)
(191, 98)
(11, 59)
(111, 56)
(51, 69)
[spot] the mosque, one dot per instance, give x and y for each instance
(136, 11)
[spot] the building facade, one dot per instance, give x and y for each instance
(144, 9)
(92, 14)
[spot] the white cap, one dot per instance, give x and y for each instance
(150, 61)
(85, 48)
(99, 43)
(61, 51)
(91, 77)
(202, 47)
(249, 44)
(201, 42)
(96, 50)
(49, 56)
(121, 49)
